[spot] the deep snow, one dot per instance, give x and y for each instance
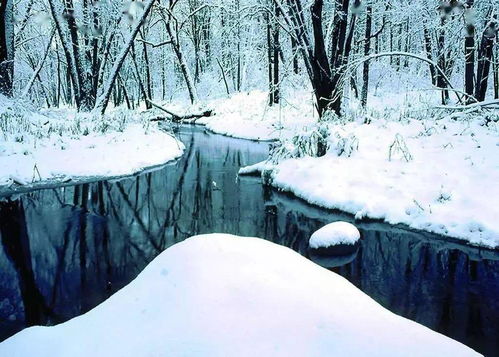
(221, 295)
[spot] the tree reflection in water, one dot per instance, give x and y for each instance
(65, 250)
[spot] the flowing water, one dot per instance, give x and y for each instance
(64, 250)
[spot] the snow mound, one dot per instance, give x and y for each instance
(220, 295)
(334, 234)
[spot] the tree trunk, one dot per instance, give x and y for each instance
(276, 48)
(496, 74)
(148, 74)
(469, 54)
(484, 60)
(322, 76)
(367, 49)
(145, 95)
(86, 98)
(294, 50)
(442, 62)
(238, 27)
(58, 92)
(429, 55)
(269, 58)
(6, 47)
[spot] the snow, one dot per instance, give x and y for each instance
(257, 168)
(447, 188)
(248, 115)
(63, 144)
(333, 234)
(221, 295)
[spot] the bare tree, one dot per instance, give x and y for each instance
(325, 70)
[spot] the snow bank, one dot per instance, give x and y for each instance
(449, 185)
(333, 234)
(110, 154)
(61, 143)
(220, 295)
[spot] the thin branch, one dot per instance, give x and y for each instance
(154, 45)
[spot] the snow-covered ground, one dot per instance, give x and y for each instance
(449, 186)
(220, 295)
(410, 164)
(60, 144)
(248, 115)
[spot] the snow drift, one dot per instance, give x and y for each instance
(220, 295)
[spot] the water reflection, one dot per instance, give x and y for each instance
(64, 250)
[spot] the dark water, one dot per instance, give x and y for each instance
(65, 250)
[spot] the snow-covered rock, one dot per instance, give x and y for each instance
(334, 239)
(335, 233)
(220, 295)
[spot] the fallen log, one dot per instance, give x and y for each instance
(180, 118)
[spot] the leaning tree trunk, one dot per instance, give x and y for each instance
(294, 50)
(71, 68)
(145, 95)
(6, 47)
(183, 64)
(38, 68)
(102, 101)
(148, 85)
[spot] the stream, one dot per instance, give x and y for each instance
(66, 249)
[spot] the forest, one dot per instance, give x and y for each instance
(141, 139)
(84, 54)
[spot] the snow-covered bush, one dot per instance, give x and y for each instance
(344, 145)
(312, 142)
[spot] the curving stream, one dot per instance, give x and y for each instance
(64, 250)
